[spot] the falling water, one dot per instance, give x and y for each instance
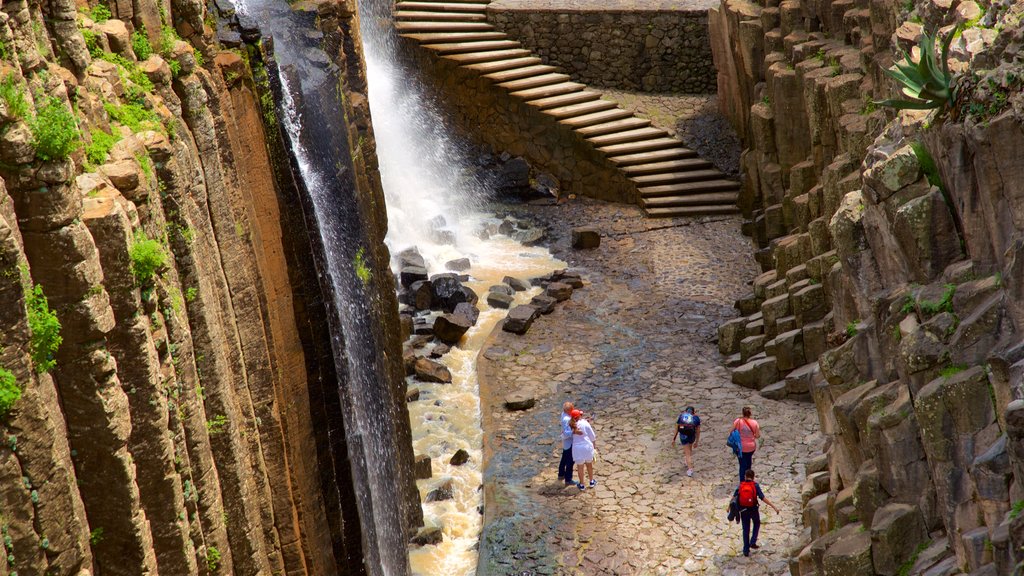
(425, 174)
(312, 118)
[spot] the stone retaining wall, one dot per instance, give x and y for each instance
(650, 50)
(474, 103)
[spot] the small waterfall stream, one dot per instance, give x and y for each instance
(425, 173)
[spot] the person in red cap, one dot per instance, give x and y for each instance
(583, 439)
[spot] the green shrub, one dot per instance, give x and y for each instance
(98, 149)
(100, 13)
(168, 37)
(140, 44)
(54, 132)
(175, 67)
(134, 116)
(1017, 508)
(10, 392)
(92, 43)
(212, 558)
(13, 94)
(45, 329)
(851, 328)
(147, 256)
(362, 270)
(952, 370)
(217, 425)
(96, 536)
(944, 304)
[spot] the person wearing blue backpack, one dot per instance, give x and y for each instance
(688, 431)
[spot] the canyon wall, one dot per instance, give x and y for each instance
(891, 298)
(183, 416)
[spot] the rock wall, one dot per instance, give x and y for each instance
(649, 48)
(891, 296)
(183, 425)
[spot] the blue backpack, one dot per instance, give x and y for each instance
(734, 442)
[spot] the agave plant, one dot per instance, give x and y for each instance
(927, 83)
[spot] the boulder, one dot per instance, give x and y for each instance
(428, 537)
(518, 401)
(849, 556)
(756, 374)
(412, 394)
(123, 174)
(559, 291)
(422, 467)
(897, 530)
(502, 289)
(544, 304)
(585, 237)
(468, 310)
(117, 36)
(459, 458)
(447, 291)
(419, 295)
(515, 283)
(449, 328)
(439, 349)
(412, 274)
(458, 265)
(519, 319)
(730, 334)
(410, 257)
(529, 237)
(431, 371)
(776, 391)
(514, 174)
(442, 492)
(499, 300)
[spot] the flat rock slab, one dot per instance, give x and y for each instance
(517, 402)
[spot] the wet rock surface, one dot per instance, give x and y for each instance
(632, 351)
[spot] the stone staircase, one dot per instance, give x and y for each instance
(670, 180)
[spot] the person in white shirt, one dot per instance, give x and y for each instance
(583, 439)
(566, 463)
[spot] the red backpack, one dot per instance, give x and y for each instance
(748, 494)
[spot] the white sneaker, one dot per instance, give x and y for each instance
(689, 472)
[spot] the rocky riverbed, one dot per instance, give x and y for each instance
(633, 348)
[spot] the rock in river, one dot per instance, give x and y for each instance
(430, 371)
(519, 319)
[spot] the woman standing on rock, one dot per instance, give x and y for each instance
(583, 439)
(749, 431)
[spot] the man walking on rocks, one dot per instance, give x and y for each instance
(746, 495)
(565, 465)
(688, 431)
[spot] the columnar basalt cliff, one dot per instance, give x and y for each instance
(892, 291)
(184, 418)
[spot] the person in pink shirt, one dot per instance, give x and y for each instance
(749, 433)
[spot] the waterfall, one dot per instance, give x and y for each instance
(313, 123)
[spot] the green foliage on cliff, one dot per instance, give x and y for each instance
(140, 44)
(212, 558)
(134, 116)
(98, 149)
(148, 256)
(362, 270)
(10, 392)
(100, 13)
(45, 329)
(13, 95)
(54, 132)
(217, 425)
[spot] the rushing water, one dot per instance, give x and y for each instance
(312, 118)
(425, 175)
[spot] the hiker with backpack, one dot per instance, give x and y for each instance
(688, 431)
(745, 499)
(749, 431)
(583, 439)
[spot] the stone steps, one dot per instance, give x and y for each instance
(623, 125)
(523, 72)
(440, 16)
(466, 47)
(690, 188)
(545, 92)
(441, 7)
(627, 136)
(669, 179)
(534, 81)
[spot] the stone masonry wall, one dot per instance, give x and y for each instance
(488, 113)
(891, 296)
(180, 429)
(628, 47)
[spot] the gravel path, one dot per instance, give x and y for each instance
(633, 348)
